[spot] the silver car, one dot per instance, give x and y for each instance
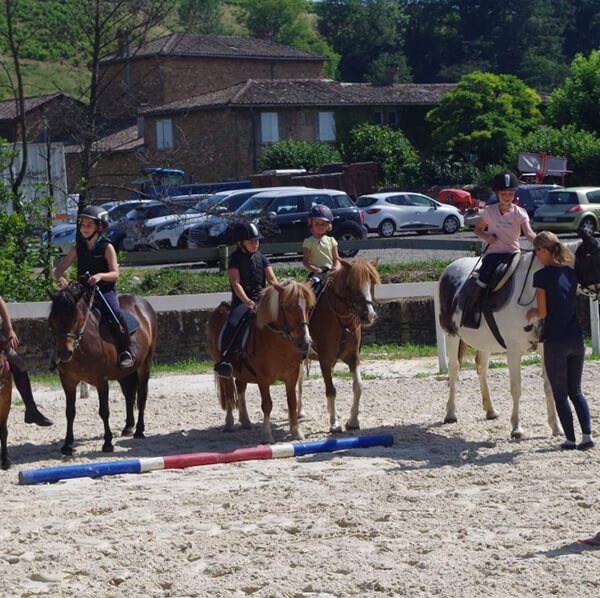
(388, 213)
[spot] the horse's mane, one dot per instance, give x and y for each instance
(66, 299)
(267, 309)
(354, 275)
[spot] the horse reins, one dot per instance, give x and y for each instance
(83, 325)
(287, 332)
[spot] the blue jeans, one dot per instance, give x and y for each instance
(564, 366)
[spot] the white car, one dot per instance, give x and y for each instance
(388, 213)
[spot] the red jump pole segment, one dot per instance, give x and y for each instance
(276, 451)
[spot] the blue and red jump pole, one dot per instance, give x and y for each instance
(276, 451)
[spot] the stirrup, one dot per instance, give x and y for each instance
(126, 360)
(224, 369)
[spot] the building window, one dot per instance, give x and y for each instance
(164, 133)
(326, 126)
(378, 118)
(269, 126)
(393, 118)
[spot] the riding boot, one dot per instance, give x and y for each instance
(126, 358)
(32, 414)
(471, 317)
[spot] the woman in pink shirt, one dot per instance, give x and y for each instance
(500, 226)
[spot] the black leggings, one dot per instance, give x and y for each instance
(564, 366)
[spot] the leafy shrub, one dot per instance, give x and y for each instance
(298, 154)
(396, 159)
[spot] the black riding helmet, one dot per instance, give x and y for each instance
(246, 231)
(96, 213)
(505, 181)
(321, 212)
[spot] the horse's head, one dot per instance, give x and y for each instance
(288, 306)
(355, 282)
(66, 320)
(587, 264)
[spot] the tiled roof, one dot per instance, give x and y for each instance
(310, 92)
(8, 108)
(118, 141)
(225, 46)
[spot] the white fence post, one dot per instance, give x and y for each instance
(595, 326)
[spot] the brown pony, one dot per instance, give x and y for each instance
(344, 306)
(87, 352)
(5, 397)
(276, 347)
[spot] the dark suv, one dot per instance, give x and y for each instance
(529, 197)
(282, 217)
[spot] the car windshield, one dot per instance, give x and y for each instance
(561, 198)
(343, 201)
(211, 202)
(254, 206)
(365, 201)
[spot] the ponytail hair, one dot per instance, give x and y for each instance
(559, 251)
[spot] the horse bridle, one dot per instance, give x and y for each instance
(350, 306)
(287, 332)
(79, 335)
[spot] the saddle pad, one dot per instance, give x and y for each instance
(242, 338)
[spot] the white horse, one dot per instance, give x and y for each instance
(520, 337)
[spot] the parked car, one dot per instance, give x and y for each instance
(387, 213)
(569, 210)
(529, 197)
(282, 216)
(171, 231)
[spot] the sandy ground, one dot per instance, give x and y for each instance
(456, 510)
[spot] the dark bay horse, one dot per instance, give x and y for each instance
(87, 352)
(275, 349)
(5, 398)
(343, 308)
(520, 337)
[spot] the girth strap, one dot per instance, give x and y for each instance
(491, 322)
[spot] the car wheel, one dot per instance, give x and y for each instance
(450, 225)
(182, 243)
(348, 235)
(387, 228)
(588, 225)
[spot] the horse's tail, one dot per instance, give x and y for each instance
(226, 392)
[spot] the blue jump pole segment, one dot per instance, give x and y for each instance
(93, 470)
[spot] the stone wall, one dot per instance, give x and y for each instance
(183, 334)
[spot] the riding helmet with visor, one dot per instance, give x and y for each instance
(246, 231)
(96, 213)
(505, 181)
(321, 212)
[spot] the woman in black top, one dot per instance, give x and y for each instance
(96, 256)
(564, 349)
(248, 272)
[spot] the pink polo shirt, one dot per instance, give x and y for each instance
(506, 227)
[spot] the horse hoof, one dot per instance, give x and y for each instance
(337, 429)
(108, 448)
(302, 414)
(127, 431)
(6, 464)
(492, 415)
(139, 435)
(67, 450)
(350, 426)
(516, 434)
(452, 419)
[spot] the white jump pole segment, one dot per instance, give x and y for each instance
(595, 326)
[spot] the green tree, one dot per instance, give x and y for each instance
(298, 154)
(577, 102)
(361, 31)
(581, 148)
(397, 161)
(483, 115)
(201, 16)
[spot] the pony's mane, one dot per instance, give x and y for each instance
(65, 299)
(267, 309)
(359, 274)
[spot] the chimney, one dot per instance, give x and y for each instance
(265, 36)
(123, 43)
(392, 75)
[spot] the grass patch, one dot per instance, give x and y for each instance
(402, 351)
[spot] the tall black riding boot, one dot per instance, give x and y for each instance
(126, 359)
(32, 414)
(471, 317)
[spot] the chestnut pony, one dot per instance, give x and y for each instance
(276, 346)
(87, 353)
(343, 308)
(5, 396)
